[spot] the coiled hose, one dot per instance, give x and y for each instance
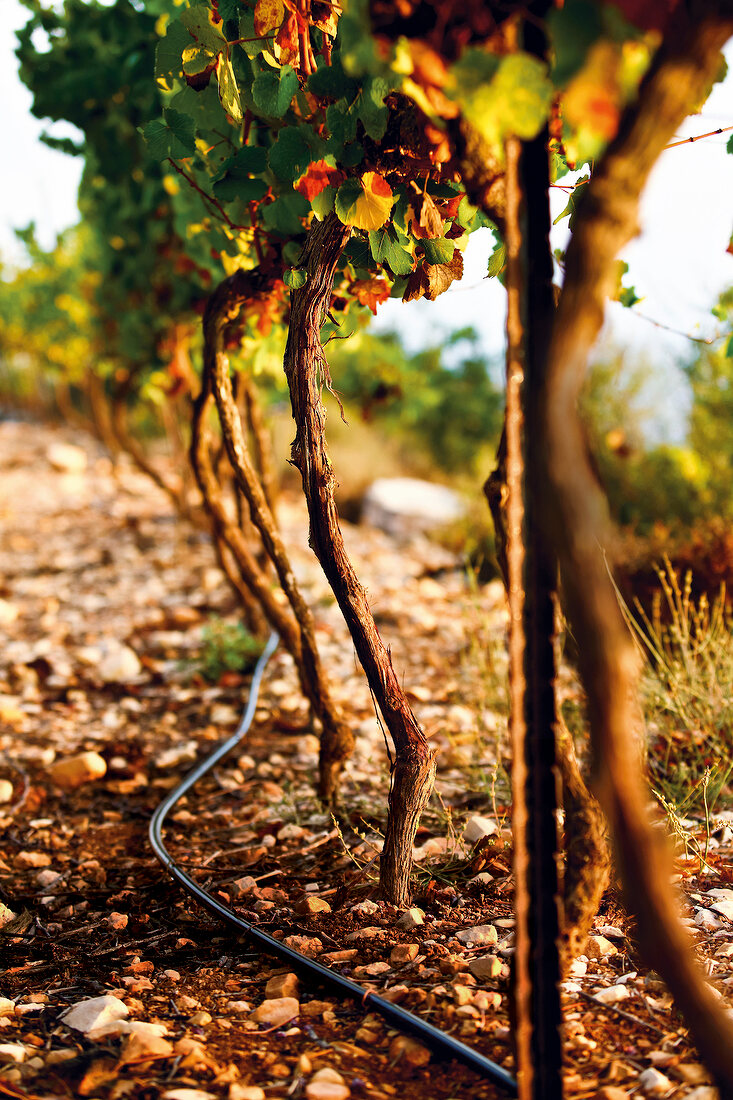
(433, 1038)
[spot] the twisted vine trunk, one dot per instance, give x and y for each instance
(337, 738)
(252, 585)
(306, 369)
(574, 512)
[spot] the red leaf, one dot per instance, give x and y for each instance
(317, 178)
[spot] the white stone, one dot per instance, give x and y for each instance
(145, 1046)
(578, 967)
(612, 995)
(8, 613)
(478, 827)
(73, 771)
(327, 1084)
(703, 1092)
(610, 931)
(478, 936)
(130, 1027)
(188, 1094)
(366, 908)
(654, 1083)
(12, 1052)
(87, 1016)
(707, 921)
(7, 1007)
(6, 914)
(723, 903)
(276, 1011)
(6, 791)
(411, 918)
(119, 664)
(177, 754)
(486, 966)
(245, 1092)
(66, 458)
(598, 947)
(405, 506)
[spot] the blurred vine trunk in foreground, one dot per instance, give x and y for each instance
(574, 513)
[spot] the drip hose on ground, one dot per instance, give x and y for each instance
(433, 1038)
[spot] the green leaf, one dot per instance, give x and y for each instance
(283, 216)
(438, 250)
(729, 348)
(502, 97)
(249, 42)
(172, 137)
(358, 253)
(341, 119)
(352, 154)
(239, 185)
(295, 277)
(729, 146)
(385, 249)
(295, 148)
(169, 52)
(628, 296)
(497, 260)
(347, 195)
(183, 133)
(273, 91)
(229, 10)
(573, 30)
(331, 82)
(575, 194)
(372, 110)
(196, 59)
(157, 138)
(322, 204)
(198, 22)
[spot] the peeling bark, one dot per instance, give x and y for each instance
(575, 514)
(306, 370)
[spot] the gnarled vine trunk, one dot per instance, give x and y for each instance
(306, 369)
(574, 512)
(337, 739)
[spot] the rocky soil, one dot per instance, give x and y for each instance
(114, 984)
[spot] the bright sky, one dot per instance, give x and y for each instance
(679, 265)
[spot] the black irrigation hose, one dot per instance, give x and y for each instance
(432, 1037)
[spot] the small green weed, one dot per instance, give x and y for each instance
(226, 647)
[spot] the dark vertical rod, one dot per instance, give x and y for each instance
(540, 571)
(532, 573)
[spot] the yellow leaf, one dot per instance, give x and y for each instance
(269, 14)
(365, 204)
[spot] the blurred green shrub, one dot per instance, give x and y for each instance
(226, 647)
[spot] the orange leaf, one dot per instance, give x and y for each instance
(430, 280)
(371, 292)
(287, 41)
(430, 219)
(317, 178)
